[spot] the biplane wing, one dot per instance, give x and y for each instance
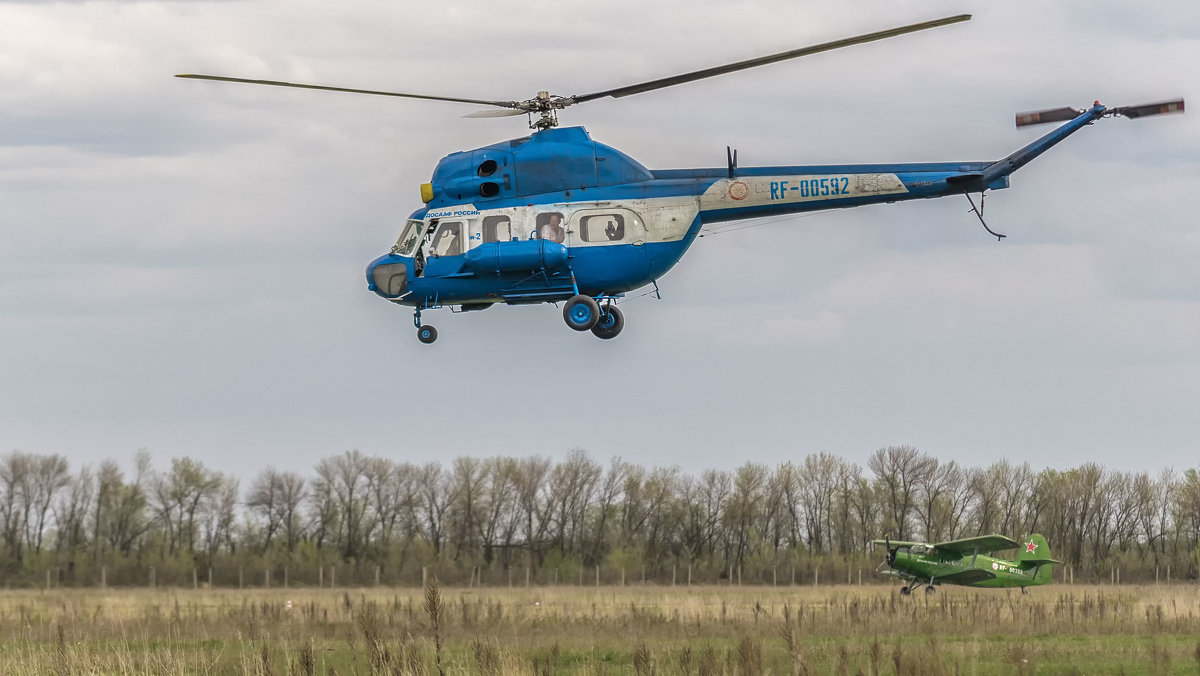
(967, 576)
(978, 545)
(893, 543)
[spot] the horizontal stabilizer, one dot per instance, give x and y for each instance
(1030, 563)
(1149, 109)
(1044, 116)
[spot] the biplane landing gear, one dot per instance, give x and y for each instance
(1024, 591)
(930, 590)
(610, 323)
(581, 312)
(905, 591)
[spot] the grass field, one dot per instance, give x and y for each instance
(604, 630)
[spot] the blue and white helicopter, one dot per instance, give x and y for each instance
(555, 216)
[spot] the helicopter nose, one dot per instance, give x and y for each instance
(387, 276)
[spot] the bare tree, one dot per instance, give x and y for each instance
(898, 470)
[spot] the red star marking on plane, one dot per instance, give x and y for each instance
(1030, 547)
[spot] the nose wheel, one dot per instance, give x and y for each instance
(425, 333)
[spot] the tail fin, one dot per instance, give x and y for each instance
(1035, 553)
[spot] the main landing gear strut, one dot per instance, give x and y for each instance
(910, 587)
(583, 313)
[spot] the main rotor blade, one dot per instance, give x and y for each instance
(764, 60)
(495, 113)
(276, 83)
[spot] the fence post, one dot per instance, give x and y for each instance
(526, 576)
(377, 570)
(689, 573)
(210, 577)
(241, 571)
(333, 576)
(195, 579)
(424, 577)
(104, 576)
(321, 577)
(47, 579)
(152, 581)
(673, 567)
(597, 575)
(267, 577)
(816, 575)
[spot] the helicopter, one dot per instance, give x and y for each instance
(555, 216)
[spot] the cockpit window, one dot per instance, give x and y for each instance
(448, 241)
(497, 229)
(409, 237)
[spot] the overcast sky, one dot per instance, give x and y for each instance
(182, 262)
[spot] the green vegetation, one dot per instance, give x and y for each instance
(617, 630)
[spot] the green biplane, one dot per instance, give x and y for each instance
(967, 562)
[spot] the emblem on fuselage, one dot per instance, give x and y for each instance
(738, 190)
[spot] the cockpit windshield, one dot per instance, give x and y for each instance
(409, 238)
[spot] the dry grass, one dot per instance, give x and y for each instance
(627, 630)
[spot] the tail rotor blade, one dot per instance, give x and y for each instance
(1164, 108)
(1044, 116)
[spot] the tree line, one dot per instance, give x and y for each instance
(357, 518)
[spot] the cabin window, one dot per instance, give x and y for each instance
(602, 228)
(409, 237)
(918, 549)
(497, 229)
(448, 241)
(549, 226)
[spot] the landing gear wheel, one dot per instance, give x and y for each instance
(426, 334)
(610, 323)
(581, 312)
(930, 590)
(905, 591)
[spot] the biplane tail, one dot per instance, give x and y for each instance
(1035, 553)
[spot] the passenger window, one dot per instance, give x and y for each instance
(497, 229)
(549, 226)
(602, 228)
(448, 241)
